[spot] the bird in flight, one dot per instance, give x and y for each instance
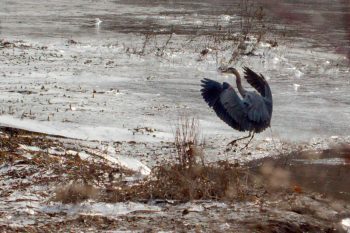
(251, 112)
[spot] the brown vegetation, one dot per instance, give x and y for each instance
(75, 193)
(187, 145)
(271, 198)
(45, 167)
(222, 181)
(188, 179)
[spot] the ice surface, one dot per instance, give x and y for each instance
(99, 85)
(149, 92)
(71, 130)
(104, 209)
(309, 85)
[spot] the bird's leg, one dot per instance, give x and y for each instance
(238, 139)
(249, 141)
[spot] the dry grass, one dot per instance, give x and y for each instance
(153, 43)
(242, 38)
(188, 179)
(252, 19)
(223, 181)
(187, 142)
(182, 182)
(83, 174)
(75, 193)
(253, 24)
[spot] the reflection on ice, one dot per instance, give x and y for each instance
(296, 86)
(98, 22)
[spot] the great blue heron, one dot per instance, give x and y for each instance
(250, 113)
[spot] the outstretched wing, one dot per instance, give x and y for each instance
(257, 81)
(226, 103)
(261, 85)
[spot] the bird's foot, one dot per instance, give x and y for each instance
(235, 148)
(245, 147)
(230, 149)
(233, 143)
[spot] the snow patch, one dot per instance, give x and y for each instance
(346, 224)
(30, 148)
(76, 131)
(100, 209)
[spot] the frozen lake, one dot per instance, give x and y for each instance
(67, 75)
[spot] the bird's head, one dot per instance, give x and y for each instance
(228, 70)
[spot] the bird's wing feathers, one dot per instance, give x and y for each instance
(257, 81)
(211, 91)
(256, 109)
(222, 113)
(261, 85)
(218, 97)
(233, 104)
(251, 109)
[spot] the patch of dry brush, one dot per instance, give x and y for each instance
(188, 179)
(75, 193)
(223, 181)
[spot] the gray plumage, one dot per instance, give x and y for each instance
(251, 112)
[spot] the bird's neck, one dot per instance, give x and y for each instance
(239, 83)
